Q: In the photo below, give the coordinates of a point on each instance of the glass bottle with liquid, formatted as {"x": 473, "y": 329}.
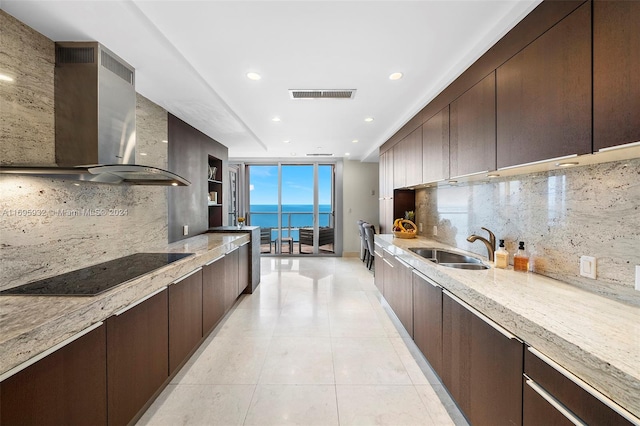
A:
{"x": 521, "y": 259}
{"x": 501, "y": 256}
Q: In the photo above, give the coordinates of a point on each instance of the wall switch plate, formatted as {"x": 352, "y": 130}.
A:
{"x": 185, "y": 230}
{"x": 420, "y": 227}
{"x": 588, "y": 267}
{"x": 435, "y": 230}
{"x": 638, "y": 277}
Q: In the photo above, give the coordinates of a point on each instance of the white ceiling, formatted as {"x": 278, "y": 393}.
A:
{"x": 191, "y": 57}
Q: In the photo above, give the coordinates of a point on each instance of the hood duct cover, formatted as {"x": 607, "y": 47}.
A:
{"x": 322, "y": 94}
{"x": 95, "y": 120}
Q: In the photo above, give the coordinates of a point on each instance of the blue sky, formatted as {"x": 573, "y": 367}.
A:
{"x": 297, "y": 184}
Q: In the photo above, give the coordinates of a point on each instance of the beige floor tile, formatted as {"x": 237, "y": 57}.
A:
{"x": 302, "y": 320}
{"x": 432, "y": 396}
{"x": 368, "y": 361}
{"x": 250, "y": 322}
{"x": 305, "y": 405}
{"x": 381, "y": 405}
{"x": 223, "y": 405}
{"x": 227, "y": 360}
{"x": 298, "y": 360}
{"x": 359, "y": 323}
{"x": 415, "y": 372}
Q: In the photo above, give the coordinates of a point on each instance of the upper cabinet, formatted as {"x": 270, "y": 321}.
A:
{"x": 435, "y": 147}
{"x": 407, "y": 160}
{"x": 473, "y": 129}
{"x": 544, "y": 95}
{"x": 616, "y": 75}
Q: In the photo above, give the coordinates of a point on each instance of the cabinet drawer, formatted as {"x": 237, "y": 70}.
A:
{"x": 582, "y": 402}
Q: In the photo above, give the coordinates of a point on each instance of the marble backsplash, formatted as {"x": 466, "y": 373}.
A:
{"x": 51, "y": 226}
{"x": 560, "y": 215}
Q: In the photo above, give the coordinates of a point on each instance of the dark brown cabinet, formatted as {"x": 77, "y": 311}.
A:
{"x": 616, "y": 79}
{"x": 473, "y": 129}
{"x": 427, "y": 319}
{"x": 544, "y": 95}
{"x": 231, "y": 261}
{"x": 243, "y": 268}
{"x": 185, "y": 318}
{"x": 385, "y": 172}
{"x": 398, "y": 289}
{"x": 482, "y": 365}
{"x": 67, "y": 387}
{"x": 137, "y": 356}
{"x": 378, "y": 278}
{"x": 213, "y": 294}
{"x": 551, "y": 397}
{"x": 407, "y": 160}
{"x": 435, "y": 147}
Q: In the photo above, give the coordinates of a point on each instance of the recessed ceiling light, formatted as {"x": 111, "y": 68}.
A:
{"x": 354, "y": 141}
{"x": 567, "y": 164}
{"x": 4, "y": 77}
{"x": 286, "y": 141}
{"x": 276, "y": 119}
{"x": 253, "y": 76}
{"x": 76, "y": 184}
{"x": 293, "y": 154}
{"x": 368, "y": 119}
{"x": 395, "y": 76}
{"x": 174, "y": 183}
{"x": 143, "y": 153}
{"x": 346, "y": 154}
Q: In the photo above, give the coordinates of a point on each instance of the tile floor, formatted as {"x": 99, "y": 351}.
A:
{"x": 313, "y": 345}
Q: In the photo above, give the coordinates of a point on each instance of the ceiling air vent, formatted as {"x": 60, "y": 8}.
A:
{"x": 319, "y": 155}
{"x": 322, "y": 94}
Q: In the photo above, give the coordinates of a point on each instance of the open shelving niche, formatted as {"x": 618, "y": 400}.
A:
{"x": 214, "y": 184}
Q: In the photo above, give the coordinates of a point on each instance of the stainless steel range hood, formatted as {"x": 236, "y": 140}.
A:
{"x": 95, "y": 121}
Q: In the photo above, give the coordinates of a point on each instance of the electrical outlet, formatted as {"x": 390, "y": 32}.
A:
{"x": 435, "y": 230}
{"x": 420, "y": 227}
{"x": 185, "y": 230}
{"x": 638, "y": 277}
{"x": 588, "y": 267}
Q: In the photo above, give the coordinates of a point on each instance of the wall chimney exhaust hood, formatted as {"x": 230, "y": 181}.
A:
{"x": 95, "y": 121}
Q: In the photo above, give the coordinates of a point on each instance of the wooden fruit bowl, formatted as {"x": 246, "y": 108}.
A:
{"x": 404, "y": 234}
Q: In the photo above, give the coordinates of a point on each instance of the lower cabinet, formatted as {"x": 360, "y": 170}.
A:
{"x": 67, "y": 387}
{"x": 398, "y": 289}
{"x": 378, "y": 277}
{"x": 213, "y": 290}
{"x": 553, "y": 397}
{"x": 137, "y": 356}
{"x": 427, "y": 319}
{"x": 185, "y": 318}
{"x": 231, "y": 261}
{"x": 482, "y": 365}
{"x": 243, "y": 267}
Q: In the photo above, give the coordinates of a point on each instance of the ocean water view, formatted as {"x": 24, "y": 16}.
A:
{"x": 294, "y": 216}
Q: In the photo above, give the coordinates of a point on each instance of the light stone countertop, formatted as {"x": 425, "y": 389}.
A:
{"x": 595, "y": 338}
{"x": 30, "y": 325}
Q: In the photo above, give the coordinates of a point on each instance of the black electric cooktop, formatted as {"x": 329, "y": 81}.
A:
{"x": 96, "y": 279}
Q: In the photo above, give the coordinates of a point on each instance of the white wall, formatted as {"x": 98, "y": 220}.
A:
{"x": 360, "y": 201}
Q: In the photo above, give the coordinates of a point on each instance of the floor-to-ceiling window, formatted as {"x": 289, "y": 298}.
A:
{"x": 296, "y": 203}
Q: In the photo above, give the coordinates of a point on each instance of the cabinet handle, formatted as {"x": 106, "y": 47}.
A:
{"x": 232, "y": 250}
{"x": 470, "y": 174}
{"x": 244, "y": 244}
{"x": 387, "y": 262}
{"x": 403, "y": 263}
{"x": 554, "y": 402}
{"x": 584, "y": 386}
{"x": 214, "y": 260}
{"x": 133, "y": 305}
{"x": 483, "y": 317}
{"x": 427, "y": 279}
{"x": 613, "y": 148}
{"x": 184, "y": 277}
{"x": 48, "y": 352}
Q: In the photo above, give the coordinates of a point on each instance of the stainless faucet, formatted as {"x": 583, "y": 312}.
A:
{"x": 491, "y": 243}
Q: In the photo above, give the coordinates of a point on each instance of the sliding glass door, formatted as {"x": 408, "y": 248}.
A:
{"x": 296, "y": 203}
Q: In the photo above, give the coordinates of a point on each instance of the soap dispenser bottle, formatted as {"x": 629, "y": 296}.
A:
{"x": 501, "y": 256}
{"x": 521, "y": 260}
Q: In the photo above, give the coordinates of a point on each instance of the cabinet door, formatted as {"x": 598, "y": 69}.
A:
{"x": 185, "y": 318}
{"x": 435, "y": 147}
{"x": 427, "y": 319}
{"x": 580, "y": 402}
{"x": 378, "y": 278}
{"x": 231, "y": 260}
{"x": 399, "y": 165}
{"x": 482, "y": 367}
{"x": 243, "y": 268}
{"x": 473, "y": 129}
{"x": 413, "y": 158}
{"x": 544, "y": 95}
{"x": 213, "y": 298}
{"x": 616, "y": 75}
{"x": 137, "y": 356}
{"x": 67, "y": 387}
{"x": 398, "y": 289}
{"x": 388, "y": 173}
{"x": 536, "y": 410}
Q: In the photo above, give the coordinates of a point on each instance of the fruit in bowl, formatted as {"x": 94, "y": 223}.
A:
{"x": 404, "y": 228}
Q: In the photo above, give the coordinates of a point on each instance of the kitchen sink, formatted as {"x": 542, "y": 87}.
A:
{"x": 449, "y": 259}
